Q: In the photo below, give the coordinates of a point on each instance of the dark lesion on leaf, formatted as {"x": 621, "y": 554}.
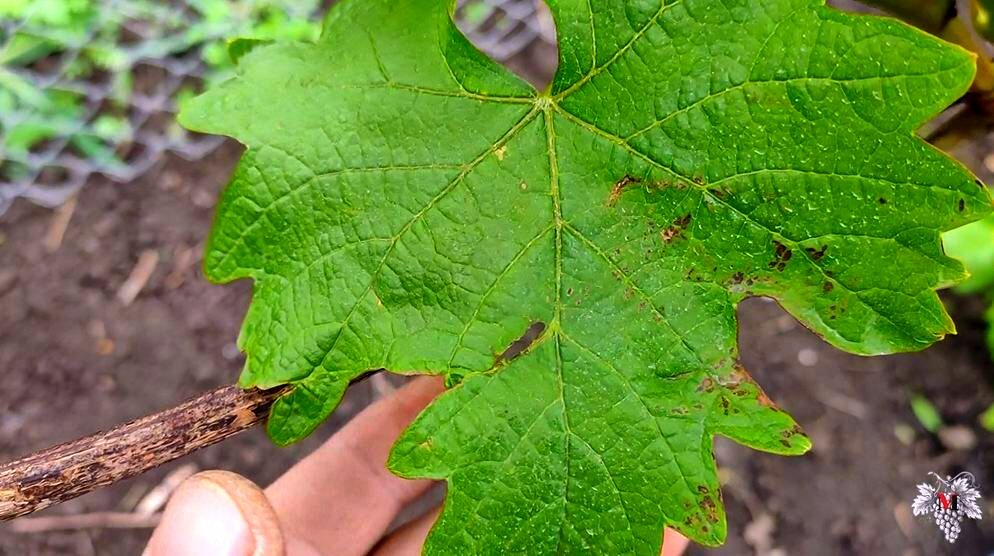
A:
{"x": 522, "y": 344}
{"x": 740, "y": 383}
{"x": 710, "y": 508}
{"x": 962, "y": 205}
{"x": 619, "y": 188}
{"x": 676, "y": 229}
{"x": 787, "y": 435}
{"x": 783, "y": 256}
{"x": 817, "y": 254}
{"x": 706, "y": 385}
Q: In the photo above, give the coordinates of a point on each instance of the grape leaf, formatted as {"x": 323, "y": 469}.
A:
{"x": 407, "y": 204}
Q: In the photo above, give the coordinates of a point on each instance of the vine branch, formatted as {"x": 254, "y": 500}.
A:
{"x": 75, "y": 468}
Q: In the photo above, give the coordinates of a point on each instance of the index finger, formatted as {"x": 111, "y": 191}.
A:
{"x": 341, "y": 498}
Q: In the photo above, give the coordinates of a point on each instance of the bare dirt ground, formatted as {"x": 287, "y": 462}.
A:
{"x": 75, "y": 359}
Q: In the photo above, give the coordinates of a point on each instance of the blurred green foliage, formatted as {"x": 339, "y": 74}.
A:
{"x": 986, "y": 419}
{"x": 926, "y": 413}
{"x": 68, "y": 42}
{"x": 974, "y": 245}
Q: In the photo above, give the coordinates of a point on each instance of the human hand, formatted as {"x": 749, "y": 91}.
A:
{"x": 338, "y": 500}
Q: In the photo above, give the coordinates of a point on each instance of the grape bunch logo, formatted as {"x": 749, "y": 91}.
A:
{"x": 948, "y": 502}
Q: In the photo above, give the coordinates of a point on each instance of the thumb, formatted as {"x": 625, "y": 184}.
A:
{"x": 217, "y": 513}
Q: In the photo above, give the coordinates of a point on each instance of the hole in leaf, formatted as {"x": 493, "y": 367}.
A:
{"x": 522, "y": 344}
{"x": 519, "y": 34}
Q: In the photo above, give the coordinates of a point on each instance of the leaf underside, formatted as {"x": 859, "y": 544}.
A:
{"x": 407, "y": 204}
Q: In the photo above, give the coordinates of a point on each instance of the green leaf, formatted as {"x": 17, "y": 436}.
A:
{"x": 407, "y": 204}
{"x": 242, "y": 46}
{"x": 926, "y": 413}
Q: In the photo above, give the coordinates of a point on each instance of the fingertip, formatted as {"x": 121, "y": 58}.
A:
{"x": 674, "y": 544}
{"x": 392, "y": 414}
{"x": 217, "y": 512}
{"x": 422, "y": 389}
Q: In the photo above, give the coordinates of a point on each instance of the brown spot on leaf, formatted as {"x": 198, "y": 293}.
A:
{"x": 740, "y": 383}
{"x": 828, "y": 286}
{"x": 706, "y": 385}
{"x": 703, "y": 489}
{"x": 676, "y": 229}
{"x": 710, "y": 509}
{"x": 962, "y": 205}
{"x": 882, "y": 201}
{"x": 619, "y": 188}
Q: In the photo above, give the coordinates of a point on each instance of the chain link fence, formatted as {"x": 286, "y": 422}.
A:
{"x": 91, "y": 87}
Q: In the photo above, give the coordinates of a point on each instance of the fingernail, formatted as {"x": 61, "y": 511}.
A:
{"x": 202, "y": 518}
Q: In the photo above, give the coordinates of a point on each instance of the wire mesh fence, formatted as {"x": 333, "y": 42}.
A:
{"x": 91, "y": 87}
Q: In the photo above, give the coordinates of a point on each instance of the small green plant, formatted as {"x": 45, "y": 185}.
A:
{"x": 926, "y": 413}
{"x": 571, "y": 259}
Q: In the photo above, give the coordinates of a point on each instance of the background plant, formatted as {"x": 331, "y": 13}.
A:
{"x": 91, "y": 86}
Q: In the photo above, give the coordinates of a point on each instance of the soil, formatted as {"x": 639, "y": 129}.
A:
{"x": 75, "y": 359}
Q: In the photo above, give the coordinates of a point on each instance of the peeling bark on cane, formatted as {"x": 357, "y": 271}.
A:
{"x": 75, "y": 468}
